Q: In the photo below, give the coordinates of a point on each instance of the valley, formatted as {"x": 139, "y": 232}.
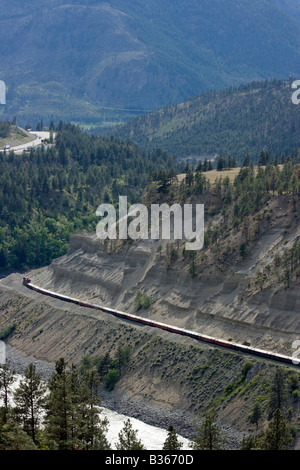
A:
{"x": 223, "y": 300}
{"x": 105, "y": 63}
{"x": 111, "y": 106}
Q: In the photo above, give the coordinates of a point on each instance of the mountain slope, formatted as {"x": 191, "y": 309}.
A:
{"x": 76, "y": 60}
{"x": 243, "y": 284}
{"x": 233, "y": 121}
{"x": 291, "y": 7}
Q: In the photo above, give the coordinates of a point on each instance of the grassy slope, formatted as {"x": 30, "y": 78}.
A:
{"x": 17, "y": 137}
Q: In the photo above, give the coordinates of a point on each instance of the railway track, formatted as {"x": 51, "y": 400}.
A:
{"x": 172, "y": 329}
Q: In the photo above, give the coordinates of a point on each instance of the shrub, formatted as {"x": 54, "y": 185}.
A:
{"x": 295, "y": 395}
{"x": 7, "y": 331}
{"x": 111, "y": 379}
{"x": 142, "y": 300}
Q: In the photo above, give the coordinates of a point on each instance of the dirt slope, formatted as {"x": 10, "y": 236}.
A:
{"x": 208, "y": 304}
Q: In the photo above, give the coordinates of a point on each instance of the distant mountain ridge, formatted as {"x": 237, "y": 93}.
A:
{"x": 77, "y": 60}
{"x": 235, "y": 121}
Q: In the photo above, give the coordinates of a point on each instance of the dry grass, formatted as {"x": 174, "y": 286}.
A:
{"x": 17, "y": 137}
{"x": 214, "y": 174}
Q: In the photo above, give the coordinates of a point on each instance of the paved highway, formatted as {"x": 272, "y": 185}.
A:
{"x": 34, "y": 143}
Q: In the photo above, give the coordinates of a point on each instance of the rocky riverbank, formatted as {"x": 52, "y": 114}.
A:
{"x": 125, "y": 405}
{"x": 185, "y": 425}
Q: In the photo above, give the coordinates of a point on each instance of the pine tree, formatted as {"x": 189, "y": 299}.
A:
{"x": 249, "y": 443}
{"x": 7, "y": 378}
{"x": 59, "y": 422}
{"x": 278, "y": 435}
{"x": 128, "y": 439}
{"x": 92, "y": 428}
{"x": 123, "y": 355}
{"x": 256, "y": 414}
{"x": 12, "y": 437}
{"x": 246, "y": 161}
{"x": 172, "y": 442}
{"x": 192, "y": 266}
{"x": 209, "y": 435}
{"x": 243, "y": 249}
{"x": 278, "y": 391}
{"x": 29, "y": 399}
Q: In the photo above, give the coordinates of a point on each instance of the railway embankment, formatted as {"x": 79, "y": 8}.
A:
{"x": 178, "y": 377}
{"x": 213, "y": 303}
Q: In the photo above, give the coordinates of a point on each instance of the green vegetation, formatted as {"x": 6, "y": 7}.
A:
{"x": 5, "y": 128}
{"x": 128, "y": 438}
{"x": 48, "y": 195}
{"x": 4, "y": 334}
{"x": 200, "y": 374}
{"x": 12, "y": 135}
{"x": 223, "y": 123}
{"x": 210, "y": 436}
{"x": 142, "y": 300}
{"x": 61, "y": 414}
{"x": 238, "y": 212}
{"x": 172, "y": 442}
{"x": 164, "y": 52}
{"x": 109, "y": 369}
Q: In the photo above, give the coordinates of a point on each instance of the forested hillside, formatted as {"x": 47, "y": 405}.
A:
{"x": 47, "y": 195}
{"x": 231, "y": 122}
{"x": 108, "y": 61}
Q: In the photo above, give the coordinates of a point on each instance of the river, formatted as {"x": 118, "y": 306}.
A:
{"x": 152, "y": 437}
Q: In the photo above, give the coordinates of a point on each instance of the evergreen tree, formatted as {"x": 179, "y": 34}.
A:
{"x": 246, "y": 161}
{"x": 243, "y": 250}
{"x": 209, "y": 435}
{"x": 189, "y": 179}
{"x": 163, "y": 182}
{"x": 220, "y": 164}
{"x": 256, "y": 414}
{"x": 192, "y": 267}
{"x": 7, "y": 378}
{"x": 249, "y": 443}
{"x": 29, "y": 399}
{"x": 111, "y": 379}
{"x": 128, "y": 439}
{"x": 12, "y": 437}
{"x": 92, "y": 428}
{"x": 59, "y": 421}
{"x": 278, "y": 391}
{"x": 123, "y": 355}
{"x": 172, "y": 442}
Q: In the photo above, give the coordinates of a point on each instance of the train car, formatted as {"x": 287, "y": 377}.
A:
{"x": 85, "y": 304}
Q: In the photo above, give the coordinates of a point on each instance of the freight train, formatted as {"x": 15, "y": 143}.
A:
{"x": 172, "y": 329}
